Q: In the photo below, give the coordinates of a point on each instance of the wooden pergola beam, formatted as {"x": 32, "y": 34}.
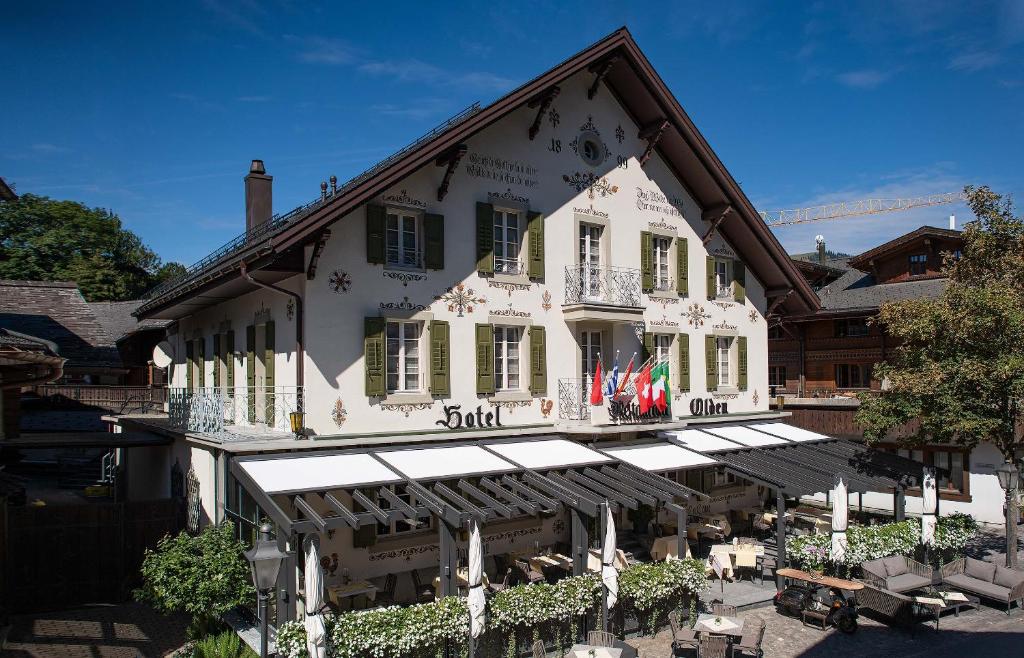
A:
{"x": 542, "y": 102}
{"x": 310, "y": 513}
{"x": 343, "y": 512}
{"x": 525, "y": 505}
{"x": 371, "y": 506}
{"x": 490, "y": 501}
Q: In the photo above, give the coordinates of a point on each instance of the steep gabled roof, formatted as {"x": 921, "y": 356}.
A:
{"x": 6, "y": 193}
{"x": 117, "y": 320}
{"x": 642, "y": 93}
{"x": 863, "y": 261}
{"x": 857, "y": 291}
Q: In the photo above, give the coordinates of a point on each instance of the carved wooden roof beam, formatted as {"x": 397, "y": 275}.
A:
{"x": 652, "y": 132}
{"x": 601, "y": 69}
{"x": 542, "y": 102}
{"x": 318, "y": 249}
{"x": 714, "y": 215}
{"x": 451, "y": 159}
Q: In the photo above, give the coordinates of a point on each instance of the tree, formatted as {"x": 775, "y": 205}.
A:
{"x": 958, "y": 367}
{"x": 46, "y": 240}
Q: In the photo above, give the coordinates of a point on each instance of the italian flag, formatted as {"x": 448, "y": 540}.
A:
{"x": 660, "y": 387}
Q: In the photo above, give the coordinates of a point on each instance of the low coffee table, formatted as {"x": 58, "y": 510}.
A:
{"x": 955, "y": 604}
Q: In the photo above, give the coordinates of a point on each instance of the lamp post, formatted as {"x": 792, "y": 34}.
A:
{"x": 1009, "y": 479}
{"x": 265, "y": 560}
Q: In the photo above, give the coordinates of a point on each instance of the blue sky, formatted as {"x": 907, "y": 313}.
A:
{"x": 155, "y": 109}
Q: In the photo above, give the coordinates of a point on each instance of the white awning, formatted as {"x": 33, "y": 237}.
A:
{"x": 746, "y": 435}
{"x": 441, "y": 463}
{"x": 548, "y": 453}
{"x": 318, "y": 472}
{"x": 658, "y": 457}
{"x": 701, "y": 441}
{"x": 790, "y": 432}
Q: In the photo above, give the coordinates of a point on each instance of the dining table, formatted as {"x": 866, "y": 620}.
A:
{"x": 620, "y": 650}
{"x": 726, "y": 555}
{"x": 337, "y": 593}
{"x": 594, "y": 559}
{"x": 461, "y": 579}
{"x": 552, "y": 561}
{"x": 666, "y": 547}
{"x": 719, "y": 624}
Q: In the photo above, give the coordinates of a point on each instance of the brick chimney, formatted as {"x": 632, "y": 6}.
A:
{"x": 259, "y": 204}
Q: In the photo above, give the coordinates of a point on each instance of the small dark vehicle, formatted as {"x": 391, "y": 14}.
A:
{"x": 841, "y": 611}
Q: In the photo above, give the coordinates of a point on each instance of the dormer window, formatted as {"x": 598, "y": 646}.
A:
{"x": 918, "y": 264}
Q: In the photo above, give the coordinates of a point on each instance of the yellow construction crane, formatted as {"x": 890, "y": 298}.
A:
{"x": 843, "y": 209}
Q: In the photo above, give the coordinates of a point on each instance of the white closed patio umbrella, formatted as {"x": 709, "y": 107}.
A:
{"x": 316, "y": 633}
{"x": 929, "y": 507}
{"x": 609, "y": 575}
{"x": 840, "y": 514}
{"x": 476, "y": 578}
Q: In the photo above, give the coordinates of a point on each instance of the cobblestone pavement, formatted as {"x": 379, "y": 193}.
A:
{"x": 114, "y": 631}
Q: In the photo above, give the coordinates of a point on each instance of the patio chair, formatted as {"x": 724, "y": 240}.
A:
{"x": 600, "y": 639}
{"x": 682, "y": 637}
{"x": 750, "y": 642}
{"x": 538, "y": 649}
{"x": 527, "y": 572}
{"x": 746, "y": 562}
{"x": 766, "y": 563}
{"x": 712, "y": 646}
{"x": 386, "y": 596}
{"x": 504, "y": 584}
{"x": 723, "y": 610}
{"x": 424, "y": 594}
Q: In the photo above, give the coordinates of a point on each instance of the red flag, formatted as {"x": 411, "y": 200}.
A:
{"x": 643, "y": 389}
{"x": 625, "y": 377}
{"x": 596, "y": 395}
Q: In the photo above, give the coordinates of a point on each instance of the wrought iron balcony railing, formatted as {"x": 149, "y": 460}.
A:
{"x": 574, "y": 399}
{"x": 508, "y": 266}
{"x": 619, "y": 286}
{"x": 217, "y": 409}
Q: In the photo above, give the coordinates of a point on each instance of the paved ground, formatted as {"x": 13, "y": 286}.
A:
{"x": 110, "y": 631}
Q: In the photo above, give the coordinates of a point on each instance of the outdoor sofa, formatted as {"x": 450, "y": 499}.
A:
{"x": 896, "y": 573}
{"x": 897, "y": 607}
{"x": 986, "y": 580}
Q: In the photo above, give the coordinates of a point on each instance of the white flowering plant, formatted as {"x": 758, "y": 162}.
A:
{"x": 648, "y": 585}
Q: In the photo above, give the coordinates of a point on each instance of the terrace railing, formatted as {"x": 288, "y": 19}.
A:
{"x": 618, "y": 286}
{"x": 212, "y": 410}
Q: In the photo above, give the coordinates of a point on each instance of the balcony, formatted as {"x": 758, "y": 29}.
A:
{"x": 218, "y": 410}
{"x": 602, "y": 293}
{"x": 509, "y": 266}
{"x": 574, "y": 405}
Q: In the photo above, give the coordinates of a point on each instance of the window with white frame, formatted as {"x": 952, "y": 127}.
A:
{"x": 403, "y": 525}
{"x": 723, "y": 277}
{"x": 507, "y": 241}
{"x": 662, "y": 347}
{"x": 724, "y": 360}
{"x": 506, "y": 357}
{"x": 590, "y": 348}
{"x": 403, "y": 356}
{"x": 403, "y": 239}
{"x": 661, "y": 245}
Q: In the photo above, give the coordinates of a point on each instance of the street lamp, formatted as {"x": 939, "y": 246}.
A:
{"x": 1009, "y": 480}
{"x": 265, "y": 559}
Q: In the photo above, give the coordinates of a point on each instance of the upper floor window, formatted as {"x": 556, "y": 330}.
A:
{"x": 507, "y": 241}
{"x": 777, "y": 376}
{"x": 506, "y": 358}
{"x": 723, "y": 277}
{"x": 662, "y": 347}
{"x": 853, "y": 375}
{"x": 660, "y": 246}
{"x": 403, "y": 356}
{"x": 403, "y": 238}
{"x": 851, "y": 327}
{"x": 918, "y": 264}
{"x": 724, "y": 361}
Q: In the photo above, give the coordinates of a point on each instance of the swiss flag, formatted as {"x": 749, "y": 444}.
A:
{"x": 643, "y": 389}
{"x": 596, "y": 396}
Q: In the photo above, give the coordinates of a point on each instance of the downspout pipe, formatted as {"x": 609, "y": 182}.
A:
{"x": 300, "y": 356}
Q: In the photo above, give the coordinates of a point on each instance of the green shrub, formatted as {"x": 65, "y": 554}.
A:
{"x": 224, "y": 645}
{"x": 203, "y": 576}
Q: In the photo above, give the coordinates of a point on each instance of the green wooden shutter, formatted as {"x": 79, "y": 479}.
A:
{"x": 268, "y": 354}
{"x": 712, "y": 288}
{"x": 682, "y": 266}
{"x": 535, "y": 264}
{"x": 538, "y": 361}
{"x": 440, "y": 349}
{"x": 376, "y": 219}
{"x": 711, "y": 362}
{"x": 648, "y": 346}
{"x": 741, "y": 360}
{"x": 646, "y": 260}
{"x": 484, "y": 358}
{"x": 373, "y": 355}
{"x": 739, "y": 281}
{"x": 217, "y": 356}
{"x": 250, "y": 371}
{"x": 229, "y": 359}
{"x": 683, "y": 378}
{"x": 433, "y": 241}
{"x": 485, "y": 238}
{"x": 190, "y": 364}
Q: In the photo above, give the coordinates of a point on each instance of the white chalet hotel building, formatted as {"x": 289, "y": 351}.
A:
{"x": 461, "y": 291}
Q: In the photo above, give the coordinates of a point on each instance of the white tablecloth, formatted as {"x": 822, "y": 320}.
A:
{"x": 665, "y": 547}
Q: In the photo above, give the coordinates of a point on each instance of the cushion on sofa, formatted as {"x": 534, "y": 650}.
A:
{"x": 979, "y": 570}
{"x": 875, "y": 567}
{"x": 1007, "y": 577}
{"x": 906, "y": 582}
{"x": 965, "y": 583}
{"x": 895, "y": 565}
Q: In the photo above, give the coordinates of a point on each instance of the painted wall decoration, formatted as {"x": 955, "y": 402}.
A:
{"x": 663, "y": 322}
{"x": 402, "y": 198}
{"x": 406, "y": 407}
{"x": 512, "y": 404}
{"x": 589, "y": 145}
{"x": 339, "y": 414}
{"x": 502, "y": 170}
{"x": 404, "y": 305}
{"x": 620, "y": 134}
{"x": 329, "y": 563}
{"x": 665, "y": 301}
{"x": 508, "y": 286}
{"x": 663, "y": 225}
{"x": 655, "y": 201}
{"x": 261, "y": 316}
{"x": 724, "y": 251}
{"x": 725, "y": 305}
{"x": 755, "y": 397}
{"x": 753, "y": 315}
{"x": 553, "y": 117}
{"x": 412, "y": 551}
{"x": 594, "y": 185}
{"x": 289, "y": 308}
{"x": 455, "y": 418}
{"x": 725, "y": 326}
{"x": 545, "y": 407}
{"x": 404, "y": 276}
{"x": 460, "y": 299}
{"x": 546, "y": 301}
{"x": 695, "y": 315}
{"x": 592, "y": 211}
{"x": 508, "y": 196}
{"x": 511, "y": 312}
{"x": 340, "y": 281}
